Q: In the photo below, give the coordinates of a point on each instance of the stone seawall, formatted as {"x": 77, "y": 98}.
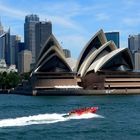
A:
{"x": 76, "y": 92}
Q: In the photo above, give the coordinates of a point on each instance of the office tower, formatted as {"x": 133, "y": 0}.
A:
{"x": 67, "y": 53}
{"x": 2, "y": 46}
{"x": 114, "y": 36}
{"x": 3, "y": 66}
{"x": 43, "y": 30}
{"x": 5, "y": 46}
{"x": 14, "y": 41}
{"x": 29, "y": 33}
{"x": 2, "y": 42}
{"x": 21, "y": 46}
{"x": 137, "y": 60}
{"x": 134, "y": 46}
{"x": 1, "y": 28}
{"x": 134, "y": 43}
{"x": 24, "y": 61}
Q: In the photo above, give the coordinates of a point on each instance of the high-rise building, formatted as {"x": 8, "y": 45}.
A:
{"x": 137, "y": 60}
{"x": 2, "y": 46}
{"x": 43, "y": 30}
{"x": 67, "y": 53}
{"x": 29, "y": 33}
{"x": 114, "y": 36}
{"x": 5, "y": 46}
{"x": 1, "y": 28}
{"x": 5, "y": 68}
{"x": 14, "y": 41}
{"x": 134, "y": 46}
{"x": 134, "y": 43}
{"x": 21, "y": 46}
{"x": 8, "y": 46}
{"x": 24, "y": 61}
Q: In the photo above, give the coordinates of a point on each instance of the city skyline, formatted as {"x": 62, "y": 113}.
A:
{"x": 74, "y": 22}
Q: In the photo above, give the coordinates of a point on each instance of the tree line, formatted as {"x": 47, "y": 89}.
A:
{"x": 12, "y": 79}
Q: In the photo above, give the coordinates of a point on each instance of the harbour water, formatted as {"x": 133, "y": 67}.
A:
{"x": 34, "y": 117}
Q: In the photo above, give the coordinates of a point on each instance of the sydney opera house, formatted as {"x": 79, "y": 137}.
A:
{"x": 101, "y": 65}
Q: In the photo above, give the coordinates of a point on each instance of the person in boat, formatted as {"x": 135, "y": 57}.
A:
{"x": 84, "y": 110}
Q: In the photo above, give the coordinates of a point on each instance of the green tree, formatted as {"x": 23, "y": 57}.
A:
{"x": 26, "y": 76}
{"x": 9, "y": 80}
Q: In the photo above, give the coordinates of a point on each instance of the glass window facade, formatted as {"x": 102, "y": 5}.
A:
{"x": 114, "y": 36}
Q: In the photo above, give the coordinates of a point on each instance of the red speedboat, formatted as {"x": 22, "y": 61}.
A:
{"x": 82, "y": 111}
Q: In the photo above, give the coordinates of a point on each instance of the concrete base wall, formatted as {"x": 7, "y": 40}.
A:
{"x": 54, "y": 82}
{"x": 76, "y": 92}
{"x": 93, "y": 81}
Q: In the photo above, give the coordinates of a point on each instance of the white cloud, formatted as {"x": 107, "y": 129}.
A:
{"x": 64, "y": 21}
{"x": 131, "y": 21}
{"x": 130, "y": 2}
{"x": 72, "y": 20}
{"x": 67, "y": 9}
{"x": 12, "y": 12}
{"x": 102, "y": 17}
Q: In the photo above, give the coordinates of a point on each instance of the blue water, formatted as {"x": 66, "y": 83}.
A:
{"x": 29, "y": 117}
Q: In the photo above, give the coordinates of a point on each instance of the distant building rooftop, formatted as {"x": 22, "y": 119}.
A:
{"x": 5, "y": 68}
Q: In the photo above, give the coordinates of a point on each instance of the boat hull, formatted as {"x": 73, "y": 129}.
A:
{"x": 82, "y": 111}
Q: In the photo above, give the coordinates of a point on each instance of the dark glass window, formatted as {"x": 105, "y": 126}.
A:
{"x": 55, "y": 64}
{"x": 49, "y": 54}
{"x": 119, "y": 62}
{"x": 114, "y": 36}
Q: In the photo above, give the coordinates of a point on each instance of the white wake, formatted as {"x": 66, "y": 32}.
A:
{"x": 43, "y": 119}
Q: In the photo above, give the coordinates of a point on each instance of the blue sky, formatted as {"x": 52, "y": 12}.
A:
{"x": 75, "y": 21}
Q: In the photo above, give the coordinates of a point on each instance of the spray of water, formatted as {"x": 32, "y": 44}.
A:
{"x": 43, "y": 119}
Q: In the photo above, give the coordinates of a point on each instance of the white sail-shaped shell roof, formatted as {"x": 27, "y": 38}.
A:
{"x": 51, "y": 41}
{"x": 103, "y": 50}
{"x": 100, "y": 63}
{"x": 51, "y": 51}
{"x": 98, "y": 54}
{"x": 93, "y": 44}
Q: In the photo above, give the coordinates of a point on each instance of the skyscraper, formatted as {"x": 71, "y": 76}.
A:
{"x": 21, "y": 46}
{"x": 2, "y": 46}
{"x": 29, "y": 33}
{"x": 14, "y": 40}
{"x": 134, "y": 46}
{"x": 24, "y": 61}
{"x": 134, "y": 43}
{"x": 43, "y": 30}
{"x": 1, "y": 29}
{"x": 5, "y": 46}
{"x": 114, "y": 36}
{"x": 67, "y": 53}
{"x": 137, "y": 60}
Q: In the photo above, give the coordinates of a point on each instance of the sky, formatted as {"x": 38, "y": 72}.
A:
{"x": 74, "y": 22}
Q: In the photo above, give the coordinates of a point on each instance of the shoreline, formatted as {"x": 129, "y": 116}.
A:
{"x": 76, "y": 92}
